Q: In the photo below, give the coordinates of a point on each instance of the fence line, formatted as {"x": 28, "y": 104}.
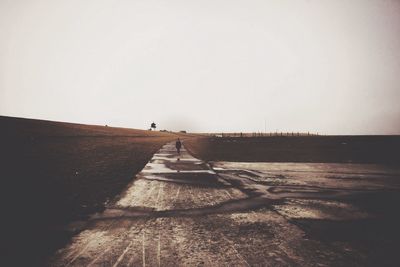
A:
{"x": 261, "y": 134}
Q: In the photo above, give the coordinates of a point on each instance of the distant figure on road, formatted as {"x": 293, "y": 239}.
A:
{"x": 178, "y": 145}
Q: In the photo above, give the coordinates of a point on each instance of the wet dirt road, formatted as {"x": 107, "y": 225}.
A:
{"x": 181, "y": 212}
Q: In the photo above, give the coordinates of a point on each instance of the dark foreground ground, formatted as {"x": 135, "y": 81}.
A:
{"x": 53, "y": 173}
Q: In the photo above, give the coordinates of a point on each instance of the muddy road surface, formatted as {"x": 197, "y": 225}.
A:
{"x": 180, "y": 211}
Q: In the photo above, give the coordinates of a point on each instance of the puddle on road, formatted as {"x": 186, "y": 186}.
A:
{"x": 181, "y": 163}
{"x": 186, "y": 166}
{"x": 173, "y": 156}
{"x": 160, "y": 168}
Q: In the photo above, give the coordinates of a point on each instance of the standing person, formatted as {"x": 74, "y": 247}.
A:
{"x": 178, "y": 145}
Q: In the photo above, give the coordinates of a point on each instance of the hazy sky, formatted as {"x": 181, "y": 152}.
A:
{"x": 331, "y": 67}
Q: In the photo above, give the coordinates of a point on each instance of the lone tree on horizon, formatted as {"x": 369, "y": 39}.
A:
{"x": 153, "y": 126}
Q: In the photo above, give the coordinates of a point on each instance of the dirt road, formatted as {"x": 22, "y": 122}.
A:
{"x": 181, "y": 212}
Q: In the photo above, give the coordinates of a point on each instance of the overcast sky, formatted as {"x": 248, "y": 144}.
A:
{"x": 331, "y": 67}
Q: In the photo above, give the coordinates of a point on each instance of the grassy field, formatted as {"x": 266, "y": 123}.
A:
{"x": 339, "y": 149}
{"x": 53, "y": 173}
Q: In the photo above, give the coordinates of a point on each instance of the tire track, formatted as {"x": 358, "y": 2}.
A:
{"x": 84, "y": 249}
{"x": 121, "y": 257}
